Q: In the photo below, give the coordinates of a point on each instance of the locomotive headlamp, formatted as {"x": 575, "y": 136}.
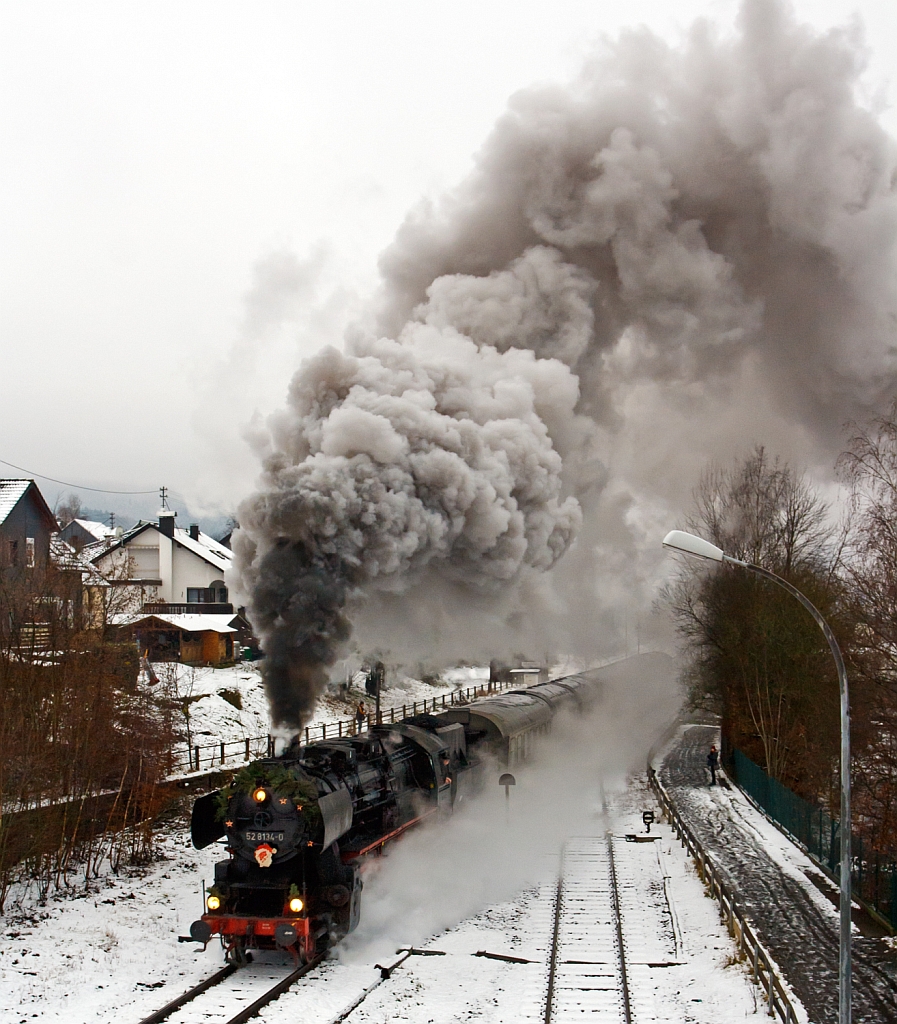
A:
{"x": 260, "y": 796}
{"x": 213, "y": 903}
{"x": 296, "y": 905}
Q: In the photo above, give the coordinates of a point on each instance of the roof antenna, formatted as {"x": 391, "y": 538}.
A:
{"x": 163, "y": 494}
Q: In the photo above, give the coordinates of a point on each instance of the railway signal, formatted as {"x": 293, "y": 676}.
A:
{"x": 507, "y": 780}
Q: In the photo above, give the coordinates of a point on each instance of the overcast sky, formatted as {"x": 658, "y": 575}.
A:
{"x": 194, "y": 196}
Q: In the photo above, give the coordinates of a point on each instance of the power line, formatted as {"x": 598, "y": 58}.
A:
{"x": 65, "y": 483}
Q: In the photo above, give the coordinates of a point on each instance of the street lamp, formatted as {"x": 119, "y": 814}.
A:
{"x": 687, "y": 543}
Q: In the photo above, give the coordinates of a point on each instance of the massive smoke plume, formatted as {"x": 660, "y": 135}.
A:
{"x": 687, "y": 250}
{"x": 424, "y": 454}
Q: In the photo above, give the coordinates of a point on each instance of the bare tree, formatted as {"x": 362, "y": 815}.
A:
{"x": 869, "y": 466}
{"x": 68, "y": 509}
{"x": 81, "y": 744}
{"x": 755, "y": 653}
{"x": 123, "y": 596}
{"x": 761, "y": 511}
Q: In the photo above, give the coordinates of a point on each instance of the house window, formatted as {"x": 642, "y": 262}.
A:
{"x": 218, "y": 591}
{"x": 29, "y": 552}
{"x": 197, "y": 595}
{"x": 12, "y": 552}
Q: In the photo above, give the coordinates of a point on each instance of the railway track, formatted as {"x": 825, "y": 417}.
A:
{"x": 212, "y": 1000}
{"x": 247, "y": 991}
{"x": 802, "y": 940}
{"x": 608, "y": 925}
{"x": 599, "y": 915}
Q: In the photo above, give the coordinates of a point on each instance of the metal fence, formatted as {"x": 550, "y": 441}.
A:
{"x": 206, "y": 756}
{"x": 873, "y": 874}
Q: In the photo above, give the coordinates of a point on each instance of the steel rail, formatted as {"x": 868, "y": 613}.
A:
{"x": 618, "y": 924}
{"x": 169, "y": 1008}
{"x": 275, "y": 991}
{"x": 553, "y": 1010}
{"x": 248, "y": 1012}
{"x": 386, "y": 972}
{"x": 556, "y": 930}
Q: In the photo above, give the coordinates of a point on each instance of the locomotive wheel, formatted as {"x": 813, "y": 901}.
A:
{"x": 307, "y": 949}
{"x": 336, "y": 895}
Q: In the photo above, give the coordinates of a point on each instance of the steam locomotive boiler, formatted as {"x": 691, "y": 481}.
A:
{"x": 298, "y": 827}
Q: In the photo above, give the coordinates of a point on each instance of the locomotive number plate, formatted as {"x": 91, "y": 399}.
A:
{"x": 264, "y": 837}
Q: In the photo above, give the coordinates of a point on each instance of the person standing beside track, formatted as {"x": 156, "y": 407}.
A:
{"x": 713, "y": 763}
{"x": 360, "y": 715}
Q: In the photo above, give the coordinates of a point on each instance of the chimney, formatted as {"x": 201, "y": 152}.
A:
{"x": 194, "y": 531}
{"x": 166, "y": 521}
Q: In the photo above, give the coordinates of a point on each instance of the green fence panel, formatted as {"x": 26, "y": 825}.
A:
{"x": 873, "y": 874}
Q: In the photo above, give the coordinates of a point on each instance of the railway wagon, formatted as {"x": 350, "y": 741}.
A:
{"x": 511, "y": 724}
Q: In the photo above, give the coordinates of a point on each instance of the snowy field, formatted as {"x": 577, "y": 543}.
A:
{"x": 228, "y": 705}
{"x": 480, "y": 881}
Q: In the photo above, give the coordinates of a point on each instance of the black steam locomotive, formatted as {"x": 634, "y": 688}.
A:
{"x": 299, "y": 826}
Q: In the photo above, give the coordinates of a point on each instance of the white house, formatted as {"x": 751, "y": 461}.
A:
{"x": 162, "y": 562}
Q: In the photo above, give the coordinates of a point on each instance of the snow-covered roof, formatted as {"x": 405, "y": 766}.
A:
{"x": 64, "y": 556}
{"x": 98, "y": 530}
{"x": 206, "y": 547}
{"x": 189, "y": 622}
{"x": 11, "y": 492}
{"x": 96, "y": 548}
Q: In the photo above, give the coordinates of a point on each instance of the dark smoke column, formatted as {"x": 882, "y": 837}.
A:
{"x": 297, "y": 607}
{"x": 419, "y": 462}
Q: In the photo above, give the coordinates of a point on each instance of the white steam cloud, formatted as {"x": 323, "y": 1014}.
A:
{"x": 482, "y": 855}
{"x": 687, "y": 251}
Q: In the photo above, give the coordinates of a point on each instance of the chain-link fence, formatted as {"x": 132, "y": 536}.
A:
{"x": 873, "y": 874}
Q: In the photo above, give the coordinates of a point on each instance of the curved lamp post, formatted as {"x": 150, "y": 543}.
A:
{"x": 687, "y": 543}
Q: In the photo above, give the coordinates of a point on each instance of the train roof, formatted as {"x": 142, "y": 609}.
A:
{"x": 432, "y": 744}
{"x": 503, "y": 714}
{"x": 591, "y": 682}
{"x": 555, "y": 693}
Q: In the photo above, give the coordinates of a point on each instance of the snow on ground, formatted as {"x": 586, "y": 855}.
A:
{"x": 86, "y": 953}
{"x": 406, "y": 690}
{"x": 707, "y": 986}
{"x": 792, "y": 905}
{"x": 705, "y": 803}
{"x": 111, "y": 953}
{"x": 215, "y": 705}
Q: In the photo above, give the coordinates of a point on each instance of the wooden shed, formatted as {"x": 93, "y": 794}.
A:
{"x": 189, "y": 638}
